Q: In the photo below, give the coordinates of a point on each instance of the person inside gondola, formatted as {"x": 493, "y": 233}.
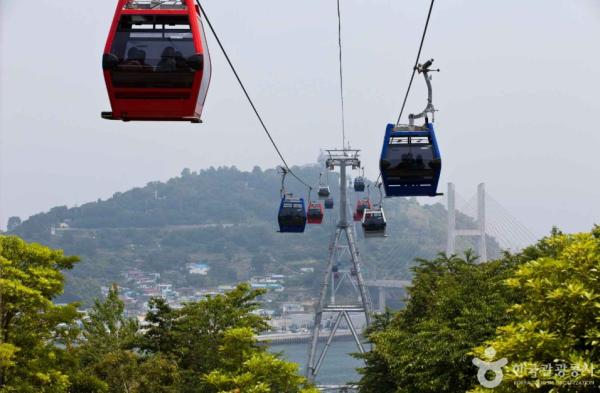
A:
{"x": 134, "y": 60}
{"x": 180, "y": 62}
{"x": 407, "y": 161}
{"x": 133, "y": 57}
{"x": 167, "y": 61}
{"x": 419, "y": 163}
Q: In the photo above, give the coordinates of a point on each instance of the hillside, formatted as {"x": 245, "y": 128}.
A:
{"x": 226, "y": 219}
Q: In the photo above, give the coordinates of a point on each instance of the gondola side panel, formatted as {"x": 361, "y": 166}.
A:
{"x": 107, "y": 50}
{"x": 204, "y": 76}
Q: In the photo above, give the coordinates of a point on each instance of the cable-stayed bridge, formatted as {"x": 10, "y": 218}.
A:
{"x": 489, "y": 219}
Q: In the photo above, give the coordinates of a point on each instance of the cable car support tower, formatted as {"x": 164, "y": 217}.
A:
{"x": 326, "y": 304}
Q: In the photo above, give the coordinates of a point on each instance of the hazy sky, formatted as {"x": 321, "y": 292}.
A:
{"x": 517, "y": 98}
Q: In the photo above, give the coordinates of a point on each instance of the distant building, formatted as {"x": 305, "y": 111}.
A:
{"x": 13, "y": 223}
{"x": 292, "y": 307}
{"x": 307, "y": 270}
{"x": 198, "y": 268}
{"x": 266, "y": 283}
{"x": 264, "y": 312}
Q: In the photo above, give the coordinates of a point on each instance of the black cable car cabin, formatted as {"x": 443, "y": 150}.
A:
{"x": 374, "y": 223}
{"x": 410, "y": 161}
{"x": 359, "y": 184}
{"x": 329, "y": 203}
{"x": 292, "y": 215}
{"x": 323, "y": 192}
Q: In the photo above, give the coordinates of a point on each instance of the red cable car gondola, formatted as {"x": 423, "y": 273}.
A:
{"x": 361, "y": 206}
{"x": 156, "y": 63}
{"x": 315, "y": 213}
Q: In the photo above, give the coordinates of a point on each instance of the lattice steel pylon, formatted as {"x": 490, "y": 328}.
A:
{"x": 343, "y": 159}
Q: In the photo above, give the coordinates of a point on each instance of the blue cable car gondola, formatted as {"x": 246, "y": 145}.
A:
{"x": 292, "y": 214}
{"x": 359, "y": 184}
{"x": 411, "y": 162}
{"x": 329, "y": 203}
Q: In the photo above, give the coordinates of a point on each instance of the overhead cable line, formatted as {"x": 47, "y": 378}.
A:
{"x": 412, "y": 77}
{"x": 262, "y": 123}
{"x": 339, "y": 15}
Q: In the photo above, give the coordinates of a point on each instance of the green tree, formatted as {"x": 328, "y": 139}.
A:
{"x": 104, "y": 360}
{"x": 106, "y": 329}
{"x": 376, "y": 374}
{"x": 453, "y": 305}
{"x": 159, "y": 374}
{"x": 556, "y": 322}
{"x": 214, "y": 346}
{"x": 247, "y": 367}
{"x": 31, "y": 326}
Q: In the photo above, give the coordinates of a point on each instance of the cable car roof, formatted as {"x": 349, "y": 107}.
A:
{"x": 155, "y": 5}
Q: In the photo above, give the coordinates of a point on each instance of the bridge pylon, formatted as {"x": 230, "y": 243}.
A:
{"x": 478, "y": 233}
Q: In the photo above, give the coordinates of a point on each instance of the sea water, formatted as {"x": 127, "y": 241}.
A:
{"x": 339, "y": 367}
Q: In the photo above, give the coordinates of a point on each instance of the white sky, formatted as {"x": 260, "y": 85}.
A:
{"x": 517, "y": 98}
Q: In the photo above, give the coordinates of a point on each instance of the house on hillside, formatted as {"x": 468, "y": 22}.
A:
{"x": 198, "y": 268}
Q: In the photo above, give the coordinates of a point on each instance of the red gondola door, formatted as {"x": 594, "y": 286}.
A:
{"x": 156, "y": 62}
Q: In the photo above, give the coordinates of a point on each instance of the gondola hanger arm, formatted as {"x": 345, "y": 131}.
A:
{"x": 425, "y": 70}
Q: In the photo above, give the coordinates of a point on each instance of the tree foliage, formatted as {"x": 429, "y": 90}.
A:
{"x": 539, "y": 309}
{"x": 213, "y": 344}
{"x": 31, "y": 326}
{"x": 204, "y": 347}
{"x": 552, "y": 342}
{"x": 454, "y": 304}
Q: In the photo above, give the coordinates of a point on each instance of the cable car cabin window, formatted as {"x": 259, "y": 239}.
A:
{"x": 410, "y": 157}
{"x": 292, "y": 213}
{"x": 153, "y": 52}
{"x": 314, "y": 211}
{"x": 374, "y": 218}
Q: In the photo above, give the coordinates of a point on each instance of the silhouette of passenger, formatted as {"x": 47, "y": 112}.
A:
{"x": 180, "y": 61}
{"x": 141, "y": 56}
{"x": 167, "y": 62}
{"x": 133, "y": 56}
{"x": 419, "y": 162}
{"x": 407, "y": 160}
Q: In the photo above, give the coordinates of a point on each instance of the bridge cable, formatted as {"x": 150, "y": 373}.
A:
{"x": 262, "y": 123}
{"x": 412, "y": 77}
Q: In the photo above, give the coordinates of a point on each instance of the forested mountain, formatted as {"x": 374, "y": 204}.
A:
{"x": 225, "y": 218}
